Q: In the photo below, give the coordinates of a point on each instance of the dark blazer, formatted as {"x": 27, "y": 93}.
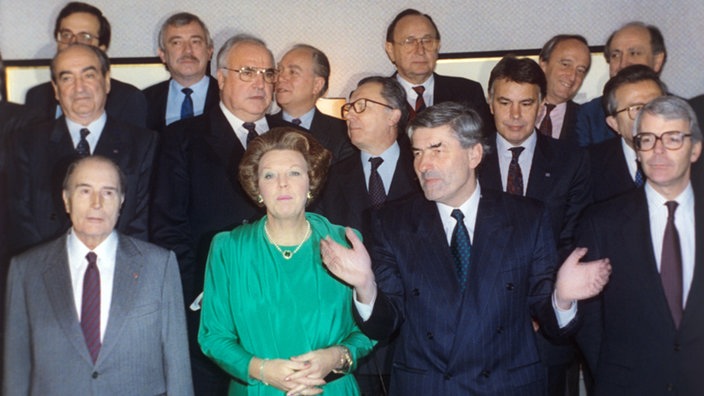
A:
{"x": 610, "y": 174}
{"x": 125, "y": 102}
{"x": 157, "y": 94}
{"x": 144, "y": 349}
{"x": 559, "y": 177}
{"x": 443, "y": 348}
{"x": 569, "y": 123}
{"x": 697, "y": 104}
{"x": 331, "y": 132}
{"x": 636, "y": 349}
{"x": 41, "y": 155}
{"x": 591, "y": 127}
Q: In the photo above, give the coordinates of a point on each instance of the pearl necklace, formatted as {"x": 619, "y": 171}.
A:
{"x": 285, "y": 252}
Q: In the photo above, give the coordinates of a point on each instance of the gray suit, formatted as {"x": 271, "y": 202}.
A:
{"x": 144, "y": 350}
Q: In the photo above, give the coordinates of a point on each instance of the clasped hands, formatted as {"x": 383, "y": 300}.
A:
{"x": 299, "y": 375}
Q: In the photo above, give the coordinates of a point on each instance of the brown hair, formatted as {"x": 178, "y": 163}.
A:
{"x": 284, "y": 138}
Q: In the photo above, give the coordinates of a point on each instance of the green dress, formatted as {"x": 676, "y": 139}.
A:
{"x": 256, "y": 303}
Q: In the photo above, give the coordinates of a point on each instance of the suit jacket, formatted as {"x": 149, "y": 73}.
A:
{"x": 41, "y": 155}
{"x": 591, "y": 127}
{"x": 144, "y": 349}
{"x": 480, "y": 341}
{"x": 559, "y": 177}
{"x": 610, "y": 174}
{"x": 569, "y": 123}
{"x": 157, "y": 94}
{"x": 697, "y": 104}
{"x": 125, "y": 102}
{"x": 331, "y": 132}
{"x": 629, "y": 337}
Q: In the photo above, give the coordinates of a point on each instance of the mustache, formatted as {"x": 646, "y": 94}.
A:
{"x": 188, "y": 57}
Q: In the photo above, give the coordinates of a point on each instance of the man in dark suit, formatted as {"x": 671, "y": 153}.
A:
{"x": 635, "y": 43}
{"x": 95, "y": 311}
{"x": 697, "y": 104}
{"x": 565, "y": 60}
{"x": 304, "y": 72}
{"x": 458, "y": 254}
{"x": 185, "y": 47}
{"x": 523, "y": 161}
{"x": 41, "y": 152}
{"x": 644, "y": 335}
{"x": 196, "y": 192}
{"x": 351, "y": 190}
{"x": 615, "y": 169}
{"x": 412, "y": 45}
{"x": 83, "y": 23}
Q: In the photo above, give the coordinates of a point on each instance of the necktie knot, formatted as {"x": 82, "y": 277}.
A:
{"x": 92, "y": 258}
{"x": 376, "y": 163}
{"x": 251, "y": 131}
{"x": 83, "y": 147}
{"x": 457, "y": 215}
{"x": 671, "y": 207}
{"x": 187, "y": 91}
{"x": 516, "y": 152}
{"x": 419, "y": 89}
{"x": 84, "y": 133}
{"x": 548, "y": 108}
{"x": 296, "y": 121}
{"x": 187, "y": 104}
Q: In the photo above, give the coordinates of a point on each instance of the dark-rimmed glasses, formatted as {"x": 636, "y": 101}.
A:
{"x": 632, "y": 110}
{"x": 359, "y": 106}
{"x": 65, "y": 36}
{"x": 429, "y": 43}
{"x": 671, "y": 140}
{"x": 247, "y": 74}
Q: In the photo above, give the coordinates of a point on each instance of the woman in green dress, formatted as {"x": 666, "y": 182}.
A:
{"x": 272, "y": 316}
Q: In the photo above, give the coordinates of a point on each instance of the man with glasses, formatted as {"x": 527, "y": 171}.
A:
{"x": 412, "y": 45}
{"x": 380, "y": 172}
{"x": 185, "y": 47}
{"x": 644, "y": 335}
{"x": 615, "y": 168}
{"x": 83, "y": 23}
{"x": 196, "y": 192}
{"x": 304, "y": 73}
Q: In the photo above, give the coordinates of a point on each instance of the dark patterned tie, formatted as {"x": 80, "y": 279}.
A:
{"x": 420, "y": 102}
{"x": 187, "y": 105}
{"x": 251, "y": 131}
{"x": 296, "y": 121}
{"x": 460, "y": 247}
{"x": 671, "y": 265}
{"x": 640, "y": 178}
{"x": 514, "y": 184}
{"x": 83, "y": 147}
{"x": 377, "y": 194}
{"x": 546, "y": 125}
{"x": 90, "y": 306}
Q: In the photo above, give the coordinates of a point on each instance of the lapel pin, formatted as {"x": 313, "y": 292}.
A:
{"x": 135, "y": 275}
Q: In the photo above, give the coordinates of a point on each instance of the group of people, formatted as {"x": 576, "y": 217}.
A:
{"x": 435, "y": 239}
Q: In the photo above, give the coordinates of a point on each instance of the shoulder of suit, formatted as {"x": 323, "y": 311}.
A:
{"x": 138, "y": 132}
{"x": 457, "y": 82}
{"x": 144, "y": 248}
{"x": 156, "y": 89}
{"x": 614, "y": 207}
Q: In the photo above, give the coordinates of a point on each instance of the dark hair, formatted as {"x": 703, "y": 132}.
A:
{"x": 99, "y": 158}
{"x": 671, "y": 107}
{"x": 100, "y": 54}
{"x": 657, "y": 41}
{"x": 550, "y": 45}
{"x": 401, "y": 15}
{"x": 321, "y": 64}
{"x": 183, "y": 19}
{"x": 465, "y": 122}
{"x": 284, "y": 138}
{"x": 520, "y": 70}
{"x": 393, "y": 93}
{"x": 77, "y": 6}
{"x": 628, "y": 75}
{"x": 233, "y": 41}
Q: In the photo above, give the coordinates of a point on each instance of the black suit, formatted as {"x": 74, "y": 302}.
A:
{"x": 157, "y": 94}
{"x": 41, "y": 155}
{"x": 569, "y": 123}
{"x": 196, "y": 195}
{"x": 125, "y": 102}
{"x": 697, "y": 104}
{"x": 331, "y": 132}
{"x": 628, "y": 333}
{"x": 610, "y": 174}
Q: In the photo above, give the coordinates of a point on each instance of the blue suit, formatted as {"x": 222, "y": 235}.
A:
{"x": 591, "y": 127}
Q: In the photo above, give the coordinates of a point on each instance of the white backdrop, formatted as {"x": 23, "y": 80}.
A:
{"x": 352, "y": 32}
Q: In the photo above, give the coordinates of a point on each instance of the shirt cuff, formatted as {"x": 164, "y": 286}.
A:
{"x": 564, "y": 316}
{"x": 364, "y": 310}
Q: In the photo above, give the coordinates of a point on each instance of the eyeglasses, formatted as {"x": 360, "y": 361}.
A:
{"x": 429, "y": 43}
{"x": 632, "y": 110}
{"x": 247, "y": 74}
{"x": 65, "y": 36}
{"x": 671, "y": 140}
{"x": 359, "y": 106}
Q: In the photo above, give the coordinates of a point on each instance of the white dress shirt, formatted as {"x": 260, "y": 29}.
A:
{"x": 412, "y": 95}
{"x": 386, "y": 169}
{"x": 261, "y": 125}
{"x": 96, "y": 130}
{"x": 525, "y": 160}
{"x": 631, "y": 160}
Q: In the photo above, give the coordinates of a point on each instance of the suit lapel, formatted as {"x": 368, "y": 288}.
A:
{"x": 404, "y": 179}
{"x": 541, "y": 173}
{"x": 111, "y": 143}
{"x": 695, "y": 300}
{"x": 222, "y": 140}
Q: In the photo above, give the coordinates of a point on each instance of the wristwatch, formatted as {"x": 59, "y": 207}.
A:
{"x": 345, "y": 361}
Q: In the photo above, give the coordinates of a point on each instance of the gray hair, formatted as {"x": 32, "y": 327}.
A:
{"x": 465, "y": 122}
{"x": 100, "y": 54}
{"x": 393, "y": 93}
{"x": 671, "y": 108}
{"x": 239, "y": 39}
{"x": 183, "y": 19}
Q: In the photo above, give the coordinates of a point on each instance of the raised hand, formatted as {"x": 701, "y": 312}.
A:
{"x": 579, "y": 281}
{"x": 353, "y": 266}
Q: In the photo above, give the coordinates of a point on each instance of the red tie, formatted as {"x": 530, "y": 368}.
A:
{"x": 546, "y": 125}
{"x": 90, "y": 306}
{"x": 420, "y": 103}
{"x": 514, "y": 184}
{"x": 671, "y": 265}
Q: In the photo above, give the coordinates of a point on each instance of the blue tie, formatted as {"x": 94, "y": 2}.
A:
{"x": 187, "y": 105}
{"x": 460, "y": 247}
{"x": 639, "y": 179}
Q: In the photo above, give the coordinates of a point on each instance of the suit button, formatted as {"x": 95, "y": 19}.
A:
{"x": 94, "y": 375}
{"x": 485, "y": 373}
{"x": 447, "y": 376}
{"x": 415, "y": 292}
{"x": 509, "y": 286}
{"x": 429, "y": 335}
